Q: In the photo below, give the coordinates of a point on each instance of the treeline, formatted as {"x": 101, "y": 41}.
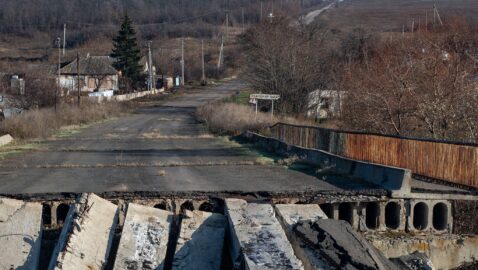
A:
{"x": 24, "y": 16}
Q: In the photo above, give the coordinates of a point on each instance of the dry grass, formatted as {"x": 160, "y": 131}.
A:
{"x": 42, "y": 123}
{"x": 233, "y": 118}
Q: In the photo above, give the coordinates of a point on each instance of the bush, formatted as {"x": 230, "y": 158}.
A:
{"x": 41, "y": 123}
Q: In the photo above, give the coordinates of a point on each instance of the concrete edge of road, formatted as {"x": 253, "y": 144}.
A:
{"x": 5, "y": 139}
{"x": 395, "y": 180}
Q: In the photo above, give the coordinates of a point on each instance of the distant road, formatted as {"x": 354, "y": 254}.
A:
{"x": 159, "y": 148}
{"x": 311, "y": 16}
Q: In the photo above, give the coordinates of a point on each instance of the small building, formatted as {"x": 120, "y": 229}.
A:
{"x": 323, "y": 104}
{"x": 12, "y": 83}
{"x": 97, "y": 75}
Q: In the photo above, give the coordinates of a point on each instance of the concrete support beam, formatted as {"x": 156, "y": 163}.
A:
{"x": 144, "y": 239}
{"x": 257, "y": 239}
{"x": 86, "y": 237}
{"x": 200, "y": 242}
{"x": 20, "y": 234}
{"x": 429, "y": 216}
{"x": 290, "y": 215}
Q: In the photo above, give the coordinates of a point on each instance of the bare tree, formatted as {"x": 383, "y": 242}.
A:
{"x": 285, "y": 58}
{"x": 423, "y": 85}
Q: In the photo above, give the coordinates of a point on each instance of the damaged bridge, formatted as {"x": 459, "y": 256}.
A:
{"x": 156, "y": 190}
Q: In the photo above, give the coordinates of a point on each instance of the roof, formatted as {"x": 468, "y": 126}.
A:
{"x": 91, "y": 65}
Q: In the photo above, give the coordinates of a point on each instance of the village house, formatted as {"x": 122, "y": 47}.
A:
{"x": 97, "y": 76}
{"x": 325, "y": 104}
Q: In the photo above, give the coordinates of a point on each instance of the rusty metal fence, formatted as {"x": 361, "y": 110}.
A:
{"x": 449, "y": 161}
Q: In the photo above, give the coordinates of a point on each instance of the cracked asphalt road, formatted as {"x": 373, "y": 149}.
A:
{"x": 159, "y": 148}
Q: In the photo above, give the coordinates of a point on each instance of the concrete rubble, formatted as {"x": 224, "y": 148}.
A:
{"x": 20, "y": 234}
{"x": 414, "y": 261}
{"x": 144, "y": 239}
{"x": 444, "y": 251}
{"x": 343, "y": 247}
{"x": 87, "y": 234}
{"x": 290, "y": 215}
{"x": 5, "y": 139}
{"x": 200, "y": 242}
{"x": 257, "y": 238}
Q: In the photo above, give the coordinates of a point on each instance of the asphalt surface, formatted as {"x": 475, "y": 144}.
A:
{"x": 161, "y": 147}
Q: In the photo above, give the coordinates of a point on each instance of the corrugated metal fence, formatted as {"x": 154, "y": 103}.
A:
{"x": 453, "y": 162}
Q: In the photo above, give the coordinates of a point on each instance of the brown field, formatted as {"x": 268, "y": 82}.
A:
{"x": 391, "y": 15}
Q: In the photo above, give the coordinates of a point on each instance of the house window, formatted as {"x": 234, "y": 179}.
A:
{"x": 324, "y": 103}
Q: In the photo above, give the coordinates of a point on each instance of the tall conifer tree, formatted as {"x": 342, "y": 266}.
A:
{"x": 127, "y": 53}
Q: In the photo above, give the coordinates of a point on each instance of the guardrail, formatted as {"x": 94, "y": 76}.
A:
{"x": 449, "y": 161}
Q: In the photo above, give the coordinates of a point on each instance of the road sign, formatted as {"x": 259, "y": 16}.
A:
{"x": 265, "y": 96}
{"x": 255, "y": 97}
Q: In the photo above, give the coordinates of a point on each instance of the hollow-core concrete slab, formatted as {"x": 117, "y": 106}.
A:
{"x": 200, "y": 242}
{"x": 144, "y": 239}
{"x": 257, "y": 238}
{"x": 20, "y": 234}
{"x": 86, "y": 237}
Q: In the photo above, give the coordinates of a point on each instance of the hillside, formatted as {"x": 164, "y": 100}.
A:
{"x": 391, "y": 15}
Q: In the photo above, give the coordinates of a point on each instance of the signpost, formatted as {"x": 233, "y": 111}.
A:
{"x": 255, "y": 97}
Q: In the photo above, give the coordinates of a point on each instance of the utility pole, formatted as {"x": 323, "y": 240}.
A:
{"x": 64, "y": 38}
{"x": 437, "y": 14}
{"x": 227, "y": 25}
{"x": 261, "y": 11}
{"x": 202, "y": 53}
{"x": 150, "y": 67}
{"x": 272, "y": 7}
{"x": 182, "y": 61}
{"x": 221, "y": 54}
{"x": 426, "y": 21}
{"x": 413, "y": 25}
{"x": 243, "y": 19}
{"x": 403, "y": 30}
{"x": 78, "y": 77}
{"x": 58, "y": 43}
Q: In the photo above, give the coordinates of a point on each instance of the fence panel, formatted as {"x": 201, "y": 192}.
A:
{"x": 457, "y": 163}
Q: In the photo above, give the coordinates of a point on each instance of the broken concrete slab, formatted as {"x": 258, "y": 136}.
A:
{"x": 290, "y": 215}
{"x": 5, "y": 139}
{"x": 20, "y": 234}
{"x": 200, "y": 242}
{"x": 446, "y": 251}
{"x": 257, "y": 239}
{"x": 86, "y": 237}
{"x": 144, "y": 239}
{"x": 414, "y": 261}
{"x": 343, "y": 247}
